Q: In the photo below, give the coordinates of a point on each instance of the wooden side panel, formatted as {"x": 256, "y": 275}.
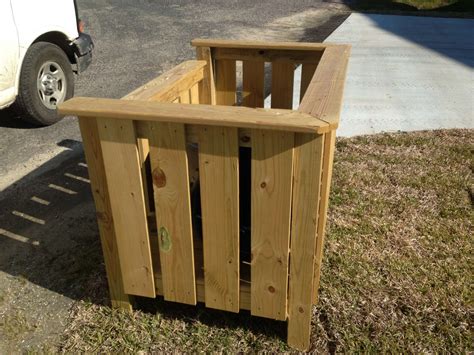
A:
{"x": 307, "y": 72}
{"x": 282, "y": 85}
{"x": 306, "y": 195}
{"x": 95, "y": 165}
{"x": 194, "y": 92}
{"x": 272, "y": 166}
{"x": 184, "y": 97}
{"x": 219, "y": 181}
{"x": 225, "y": 82}
{"x": 329, "y": 147}
{"x": 119, "y": 147}
{"x": 207, "y": 88}
{"x": 253, "y": 83}
{"x": 169, "y": 166}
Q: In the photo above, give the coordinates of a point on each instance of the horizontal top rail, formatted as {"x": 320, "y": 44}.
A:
{"x": 169, "y": 85}
{"x": 223, "y": 43}
{"x": 227, "y": 116}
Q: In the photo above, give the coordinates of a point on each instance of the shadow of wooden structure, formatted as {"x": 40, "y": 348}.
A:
{"x": 183, "y": 131}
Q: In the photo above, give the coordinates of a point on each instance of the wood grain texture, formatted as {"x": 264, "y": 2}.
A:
{"x": 329, "y": 148}
{"x": 223, "y": 43}
{"x": 307, "y": 72}
{"x": 323, "y": 98}
{"x": 194, "y": 93}
{"x": 219, "y": 181}
{"x": 282, "y": 85}
{"x": 120, "y": 153}
{"x": 306, "y": 195}
{"x": 267, "y": 55}
{"x": 207, "y": 87}
{"x": 169, "y": 166}
{"x": 225, "y": 82}
{"x": 272, "y": 167}
{"x": 225, "y": 116}
{"x": 98, "y": 181}
{"x": 253, "y": 83}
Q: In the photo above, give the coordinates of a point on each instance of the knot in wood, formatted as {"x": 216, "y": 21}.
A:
{"x": 159, "y": 178}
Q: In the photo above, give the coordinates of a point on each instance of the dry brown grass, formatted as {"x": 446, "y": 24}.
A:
{"x": 397, "y": 269}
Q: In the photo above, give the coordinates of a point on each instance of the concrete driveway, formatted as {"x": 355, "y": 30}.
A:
{"x": 407, "y": 73}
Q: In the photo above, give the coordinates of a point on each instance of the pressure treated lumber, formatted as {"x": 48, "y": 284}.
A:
{"x": 207, "y": 89}
{"x": 253, "y": 83}
{"x": 122, "y": 169}
{"x": 225, "y": 82}
{"x": 268, "y": 55}
{"x": 225, "y": 116}
{"x": 306, "y": 195}
{"x": 222, "y": 43}
{"x": 272, "y": 168}
{"x": 219, "y": 181}
{"x": 282, "y": 85}
{"x": 100, "y": 192}
{"x": 169, "y": 165}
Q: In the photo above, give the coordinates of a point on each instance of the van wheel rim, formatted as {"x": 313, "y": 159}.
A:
{"x": 51, "y": 85}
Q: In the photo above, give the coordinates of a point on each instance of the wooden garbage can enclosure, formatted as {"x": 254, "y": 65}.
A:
{"x": 204, "y": 195}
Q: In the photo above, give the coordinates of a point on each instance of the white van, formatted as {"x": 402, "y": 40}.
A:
{"x": 42, "y": 44}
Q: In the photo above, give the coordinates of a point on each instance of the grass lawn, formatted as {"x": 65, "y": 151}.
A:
{"x": 397, "y": 269}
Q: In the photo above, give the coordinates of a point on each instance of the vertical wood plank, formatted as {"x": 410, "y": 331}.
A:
{"x": 282, "y": 85}
{"x": 272, "y": 168}
{"x": 185, "y": 97}
{"x": 96, "y": 168}
{"x": 207, "y": 89}
{"x": 306, "y": 195}
{"x": 169, "y": 166}
{"x": 120, "y": 153}
{"x": 307, "y": 72}
{"x": 329, "y": 147}
{"x": 219, "y": 181}
{"x": 225, "y": 82}
{"x": 194, "y": 92}
{"x": 253, "y": 83}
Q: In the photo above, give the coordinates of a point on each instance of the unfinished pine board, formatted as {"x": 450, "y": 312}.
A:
{"x": 253, "y": 83}
{"x": 269, "y": 55}
{"x": 329, "y": 147}
{"x": 96, "y": 168}
{"x": 272, "y": 168}
{"x": 207, "y": 89}
{"x": 219, "y": 182}
{"x": 324, "y": 94}
{"x": 122, "y": 169}
{"x": 184, "y": 97}
{"x": 307, "y": 72}
{"x": 282, "y": 85}
{"x": 306, "y": 195}
{"x": 223, "y": 43}
{"x": 194, "y": 94}
{"x": 208, "y": 115}
{"x": 169, "y": 166}
{"x": 225, "y": 82}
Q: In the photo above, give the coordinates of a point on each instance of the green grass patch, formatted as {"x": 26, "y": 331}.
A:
{"x": 397, "y": 268}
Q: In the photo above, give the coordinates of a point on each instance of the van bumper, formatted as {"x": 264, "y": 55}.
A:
{"x": 83, "y": 47}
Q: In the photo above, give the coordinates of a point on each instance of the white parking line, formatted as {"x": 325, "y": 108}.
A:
{"x": 84, "y": 165}
{"x": 62, "y": 189}
{"x": 18, "y": 237}
{"x": 28, "y": 217}
{"x": 40, "y": 201}
{"x": 80, "y": 178}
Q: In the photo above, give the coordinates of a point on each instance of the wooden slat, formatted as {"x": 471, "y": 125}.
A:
{"x": 307, "y": 72}
{"x": 282, "y": 85}
{"x": 95, "y": 165}
{"x": 226, "y": 116}
{"x": 169, "y": 85}
{"x": 223, "y": 43}
{"x": 323, "y": 98}
{"x": 184, "y": 97}
{"x": 329, "y": 147}
{"x": 119, "y": 149}
{"x": 219, "y": 181}
{"x": 225, "y": 82}
{"x": 169, "y": 166}
{"x": 306, "y": 195}
{"x": 194, "y": 92}
{"x": 272, "y": 166}
{"x": 253, "y": 83}
{"x": 268, "y": 55}
{"x": 207, "y": 88}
